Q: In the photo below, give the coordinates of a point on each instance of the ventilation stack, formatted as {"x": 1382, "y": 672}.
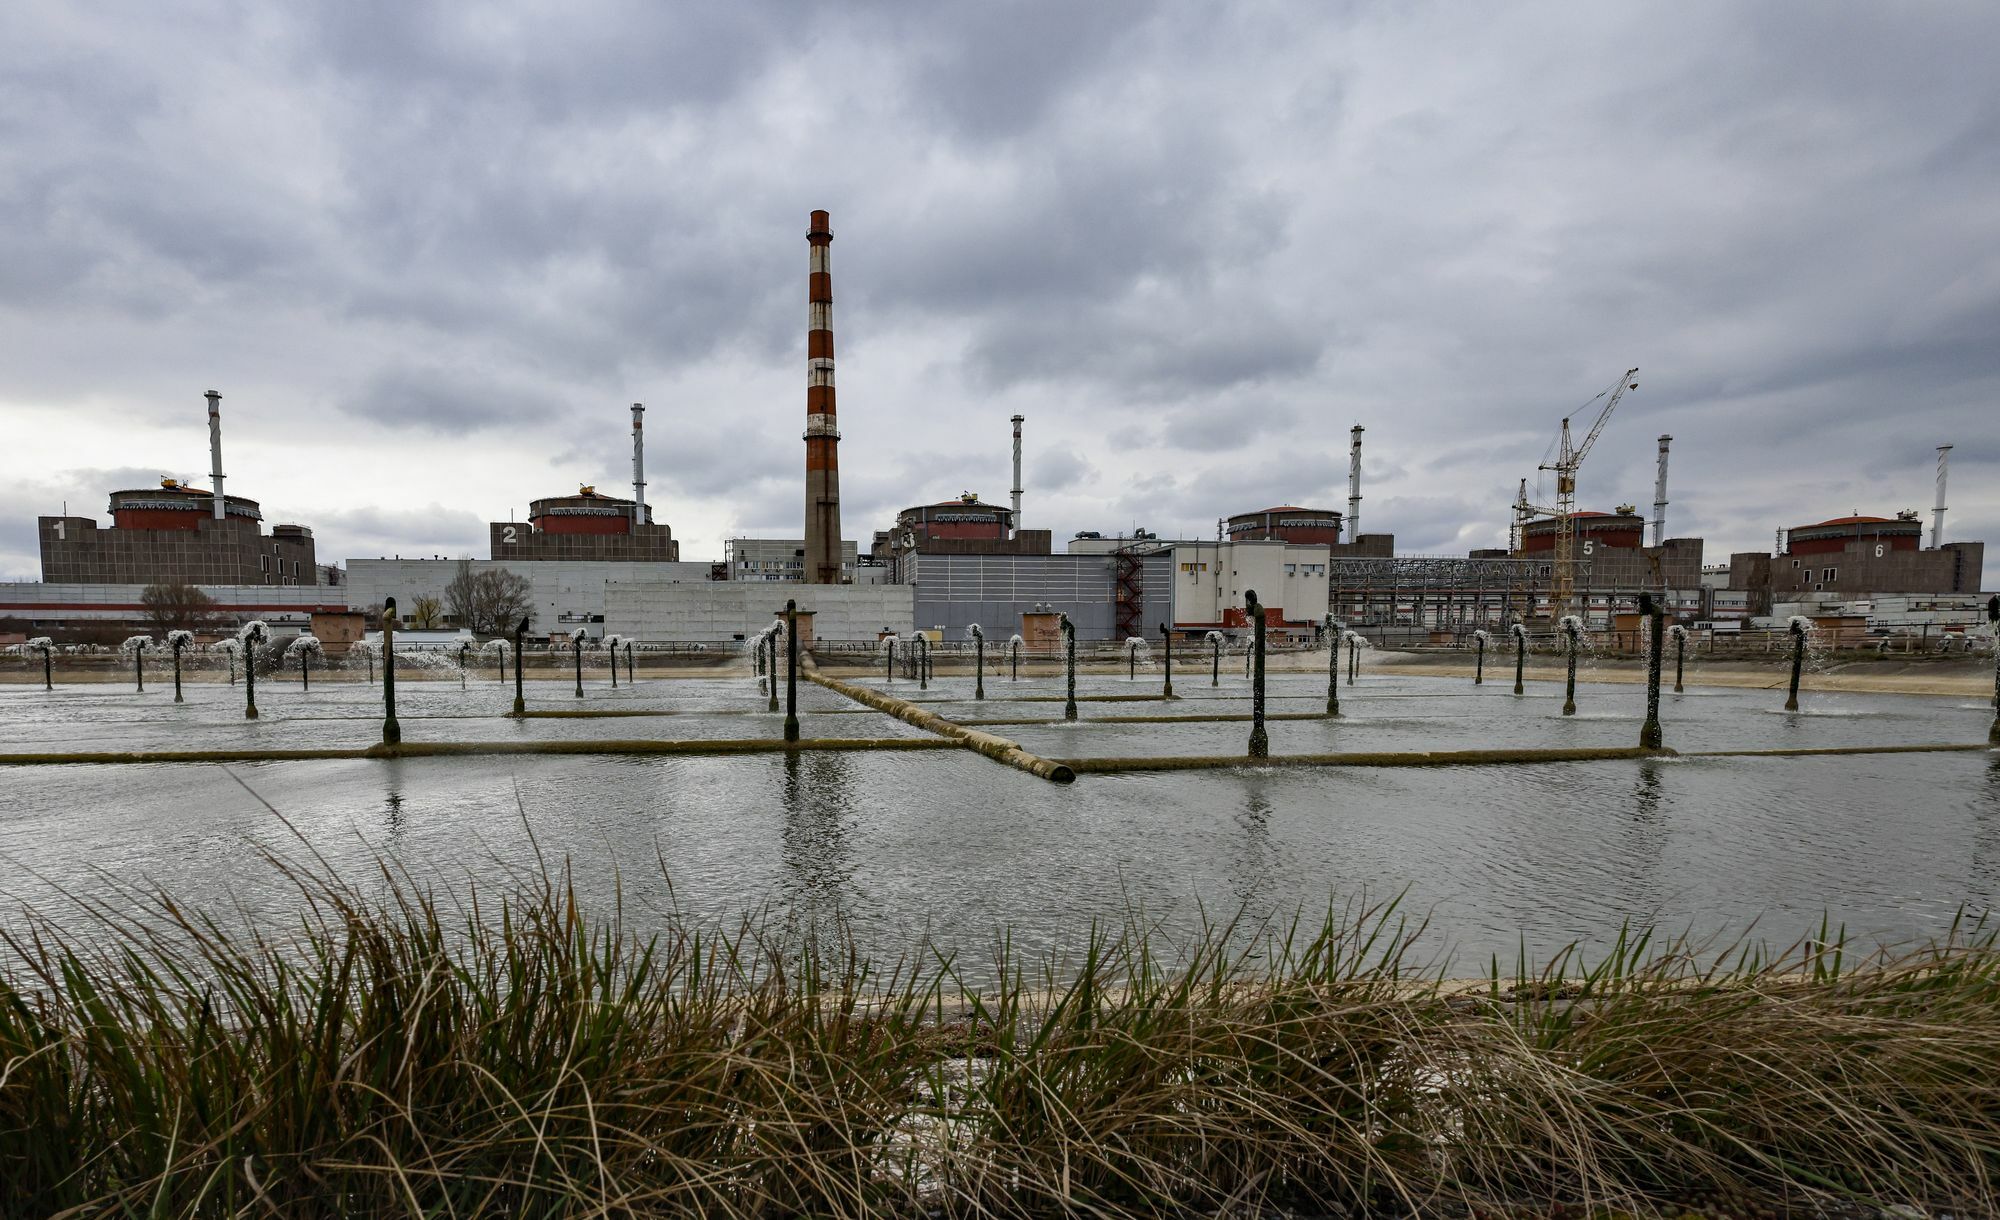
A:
{"x": 215, "y": 451}
{"x": 1354, "y": 487}
{"x": 640, "y": 513}
{"x": 822, "y": 558}
{"x": 1017, "y": 475}
{"x": 1937, "y": 513}
{"x": 1660, "y": 496}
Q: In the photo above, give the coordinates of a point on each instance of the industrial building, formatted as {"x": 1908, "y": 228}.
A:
{"x": 965, "y": 526}
{"x": 954, "y": 590}
{"x": 1211, "y": 581}
{"x": 1856, "y": 556}
{"x": 1288, "y": 523}
{"x": 783, "y": 560}
{"x": 178, "y": 534}
{"x": 590, "y": 526}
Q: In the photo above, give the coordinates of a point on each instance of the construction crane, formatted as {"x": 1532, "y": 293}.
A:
{"x": 1569, "y": 457}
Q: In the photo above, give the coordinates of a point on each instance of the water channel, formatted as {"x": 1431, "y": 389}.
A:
{"x": 949, "y": 848}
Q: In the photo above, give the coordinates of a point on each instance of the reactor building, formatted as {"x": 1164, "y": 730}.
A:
{"x": 179, "y": 534}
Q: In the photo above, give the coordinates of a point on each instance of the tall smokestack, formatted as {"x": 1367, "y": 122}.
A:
{"x": 639, "y": 511}
{"x": 1354, "y": 486}
{"x": 1660, "y": 495}
{"x": 215, "y": 450}
{"x": 1937, "y": 513}
{"x": 1017, "y": 475}
{"x": 822, "y": 558}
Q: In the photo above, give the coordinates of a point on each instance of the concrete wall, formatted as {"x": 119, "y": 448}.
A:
{"x": 686, "y": 613}
{"x": 49, "y": 606}
{"x": 563, "y": 594}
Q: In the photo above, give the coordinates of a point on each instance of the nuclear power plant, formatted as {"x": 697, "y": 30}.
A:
{"x": 606, "y": 564}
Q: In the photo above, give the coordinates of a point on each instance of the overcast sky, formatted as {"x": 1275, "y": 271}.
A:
{"x": 430, "y": 254}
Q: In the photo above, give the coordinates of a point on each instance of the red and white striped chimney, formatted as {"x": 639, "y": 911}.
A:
{"x": 822, "y": 558}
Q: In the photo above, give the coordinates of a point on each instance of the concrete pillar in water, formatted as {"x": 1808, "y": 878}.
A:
{"x": 48, "y": 668}
{"x": 1014, "y": 659}
{"x": 576, "y": 648}
{"x": 1479, "y": 666}
{"x": 1520, "y": 634}
{"x": 1353, "y": 659}
{"x": 613, "y": 649}
{"x": 1333, "y": 632}
{"x": 631, "y": 671}
{"x": 791, "y": 671}
{"x": 176, "y": 644}
{"x": 1649, "y": 733}
{"x": 1069, "y": 664}
{"x": 1798, "y": 630}
{"x": 1132, "y": 659}
{"x": 1167, "y": 644}
{"x": 139, "y": 665}
{"x": 520, "y": 703}
{"x": 889, "y": 666}
{"x": 464, "y": 659}
{"x": 1570, "y": 628}
{"x": 978, "y": 662}
{"x": 1680, "y": 635}
{"x": 305, "y": 670}
{"x": 923, "y": 661}
{"x": 1215, "y": 658}
{"x": 392, "y": 732}
{"x": 1260, "y": 741}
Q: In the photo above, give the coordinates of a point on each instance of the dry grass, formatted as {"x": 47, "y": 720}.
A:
{"x": 391, "y": 1056}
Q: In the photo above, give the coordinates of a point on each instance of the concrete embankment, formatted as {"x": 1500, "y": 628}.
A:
{"x": 1949, "y": 676}
{"x": 456, "y": 749}
{"x": 994, "y": 747}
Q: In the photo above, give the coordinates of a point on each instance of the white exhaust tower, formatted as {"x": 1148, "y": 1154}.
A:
{"x": 639, "y": 511}
{"x": 215, "y": 449}
{"x": 1354, "y": 486}
{"x": 1937, "y": 513}
{"x": 1660, "y": 496}
{"x": 1017, "y": 474}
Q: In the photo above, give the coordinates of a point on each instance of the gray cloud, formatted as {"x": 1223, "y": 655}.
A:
{"x": 1194, "y": 251}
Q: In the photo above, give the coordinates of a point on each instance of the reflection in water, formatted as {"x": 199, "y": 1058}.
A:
{"x": 1250, "y": 871}
{"x": 1985, "y": 871}
{"x": 819, "y": 862}
{"x": 1645, "y": 844}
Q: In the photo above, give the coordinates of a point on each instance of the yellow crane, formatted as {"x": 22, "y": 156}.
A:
{"x": 1569, "y": 456}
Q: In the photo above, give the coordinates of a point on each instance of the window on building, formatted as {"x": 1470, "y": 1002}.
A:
{"x": 1291, "y": 569}
{"x": 1830, "y": 574}
{"x": 1808, "y": 575}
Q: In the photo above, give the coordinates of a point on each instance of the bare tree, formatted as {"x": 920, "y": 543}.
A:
{"x": 426, "y": 614}
{"x": 177, "y": 606}
{"x": 461, "y": 596}
{"x": 489, "y": 602}
{"x": 504, "y": 600}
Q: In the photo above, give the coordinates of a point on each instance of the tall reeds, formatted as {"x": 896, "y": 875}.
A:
{"x": 391, "y": 1055}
